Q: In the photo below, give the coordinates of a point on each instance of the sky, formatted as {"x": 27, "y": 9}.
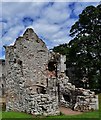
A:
{"x": 51, "y": 21}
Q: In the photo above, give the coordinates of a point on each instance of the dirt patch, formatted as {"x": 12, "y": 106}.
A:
{"x": 68, "y": 111}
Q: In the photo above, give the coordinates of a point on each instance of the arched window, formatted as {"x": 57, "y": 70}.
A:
{"x": 51, "y": 66}
{"x": 66, "y": 97}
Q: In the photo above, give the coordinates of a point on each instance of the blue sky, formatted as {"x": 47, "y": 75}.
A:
{"x": 50, "y": 20}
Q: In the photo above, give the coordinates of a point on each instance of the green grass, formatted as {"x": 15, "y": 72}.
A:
{"x": 15, "y": 115}
{"x": 93, "y": 114}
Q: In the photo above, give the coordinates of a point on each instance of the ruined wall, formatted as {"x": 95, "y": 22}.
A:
{"x": 26, "y": 63}
{"x": 2, "y": 77}
{"x": 78, "y": 99}
{"x": 69, "y": 96}
{"x": 36, "y": 82}
{"x": 62, "y": 63}
{"x": 0, "y": 68}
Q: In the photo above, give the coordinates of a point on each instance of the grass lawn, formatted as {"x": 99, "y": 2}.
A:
{"x": 93, "y": 114}
{"x": 15, "y": 115}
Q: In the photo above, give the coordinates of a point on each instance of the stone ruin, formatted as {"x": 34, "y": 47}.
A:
{"x": 36, "y": 82}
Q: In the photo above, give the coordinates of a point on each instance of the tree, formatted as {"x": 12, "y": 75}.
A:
{"x": 85, "y": 48}
{"x": 62, "y": 49}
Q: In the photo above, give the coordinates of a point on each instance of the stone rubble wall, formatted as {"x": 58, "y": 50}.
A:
{"x": 26, "y": 63}
{"x": 0, "y": 87}
{"x": 32, "y": 88}
{"x": 2, "y": 77}
{"x": 80, "y": 99}
{"x": 36, "y": 104}
{"x": 86, "y": 103}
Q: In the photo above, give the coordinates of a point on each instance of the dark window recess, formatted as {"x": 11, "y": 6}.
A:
{"x": 51, "y": 66}
{"x": 41, "y": 90}
{"x": 66, "y": 97}
{"x": 14, "y": 60}
{"x": 41, "y": 50}
{"x": 27, "y": 37}
{"x": 37, "y": 82}
{"x": 47, "y": 82}
{"x": 25, "y": 46}
{"x": 3, "y": 91}
{"x": 37, "y": 90}
{"x": 44, "y": 109}
{"x": 3, "y": 62}
{"x": 20, "y": 82}
{"x": 3, "y": 106}
{"x": 19, "y": 62}
{"x": 37, "y": 41}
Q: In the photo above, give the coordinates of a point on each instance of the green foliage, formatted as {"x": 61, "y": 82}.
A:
{"x": 84, "y": 50}
{"x": 62, "y": 49}
{"x": 86, "y": 45}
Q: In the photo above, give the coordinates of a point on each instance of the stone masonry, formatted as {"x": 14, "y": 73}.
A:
{"x": 36, "y": 82}
{"x": 2, "y": 77}
{"x": 26, "y": 76}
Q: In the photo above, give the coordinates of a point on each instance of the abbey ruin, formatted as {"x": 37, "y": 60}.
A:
{"x": 35, "y": 80}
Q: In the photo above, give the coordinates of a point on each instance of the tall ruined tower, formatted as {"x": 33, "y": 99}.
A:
{"x": 26, "y": 76}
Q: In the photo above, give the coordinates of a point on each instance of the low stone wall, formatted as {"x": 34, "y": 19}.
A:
{"x": 43, "y": 104}
{"x": 78, "y": 99}
{"x": 86, "y": 103}
{"x": 0, "y": 88}
{"x": 37, "y": 104}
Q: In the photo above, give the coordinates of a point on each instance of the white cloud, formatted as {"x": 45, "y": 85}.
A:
{"x": 0, "y": 29}
{"x": 12, "y": 34}
{"x": 51, "y": 1}
{"x": 51, "y": 22}
{"x": 20, "y": 10}
{"x": 45, "y": 29}
{"x": 57, "y": 13}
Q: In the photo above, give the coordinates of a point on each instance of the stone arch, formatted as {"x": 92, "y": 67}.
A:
{"x": 67, "y": 97}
